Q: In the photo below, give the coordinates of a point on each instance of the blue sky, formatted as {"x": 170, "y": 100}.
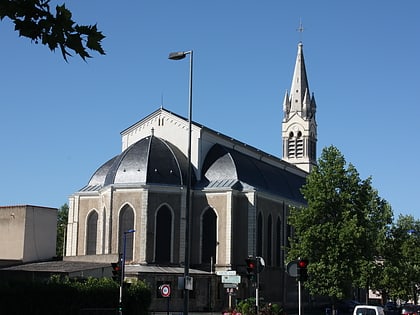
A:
{"x": 61, "y": 121}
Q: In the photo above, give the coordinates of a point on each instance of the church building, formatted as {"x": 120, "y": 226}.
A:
{"x": 240, "y": 199}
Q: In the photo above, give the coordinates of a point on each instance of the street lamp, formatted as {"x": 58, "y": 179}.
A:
{"x": 123, "y": 269}
{"x": 178, "y": 56}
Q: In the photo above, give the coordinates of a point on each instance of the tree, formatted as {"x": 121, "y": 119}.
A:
{"x": 33, "y": 19}
{"x": 62, "y": 218}
{"x": 401, "y": 265}
{"x": 342, "y": 229}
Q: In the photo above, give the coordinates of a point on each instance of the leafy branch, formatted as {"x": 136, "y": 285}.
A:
{"x": 33, "y": 19}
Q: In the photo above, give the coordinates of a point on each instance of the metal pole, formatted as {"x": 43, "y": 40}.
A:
{"x": 257, "y": 295}
{"x": 188, "y": 201}
{"x": 177, "y": 56}
{"x": 120, "y": 305}
{"x": 300, "y": 297}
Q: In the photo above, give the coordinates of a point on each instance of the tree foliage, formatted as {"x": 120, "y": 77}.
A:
{"x": 62, "y": 218}
{"x": 63, "y": 296}
{"x": 342, "y": 230}
{"x": 401, "y": 265}
{"x": 34, "y": 19}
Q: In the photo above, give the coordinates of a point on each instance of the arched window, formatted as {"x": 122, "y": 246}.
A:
{"x": 278, "y": 243}
{"x": 259, "y": 235}
{"x": 126, "y": 223}
{"x": 208, "y": 236}
{"x": 163, "y": 235}
{"x": 91, "y": 233}
{"x": 269, "y": 240}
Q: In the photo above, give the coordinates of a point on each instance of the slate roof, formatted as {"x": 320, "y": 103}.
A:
{"x": 150, "y": 160}
{"x": 153, "y": 160}
{"x": 225, "y": 167}
{"x": 57, "y": 266}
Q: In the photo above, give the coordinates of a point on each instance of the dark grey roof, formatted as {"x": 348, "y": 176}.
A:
{"x": 150, "y": 160}
{"x": 57, "y": 266}
{"x": 225, "y": 167}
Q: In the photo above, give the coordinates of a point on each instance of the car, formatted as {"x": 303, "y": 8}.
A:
{"x": 410, "y": 309}
{"x": 368, "y": 310}
{"x": 346, "y": 307}
{"x": 391, "y": 308}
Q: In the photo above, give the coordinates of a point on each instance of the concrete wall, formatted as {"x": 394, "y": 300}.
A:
{"x": 27, "y": 233}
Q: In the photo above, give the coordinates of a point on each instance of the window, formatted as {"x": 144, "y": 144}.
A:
{"x": 259, "y": 235}
{"x": 209, "y": 236}
{"x": 91, "y": 233}
{"x": 278, "y": 244}
{"x": 163, "y": 235}
{"x": 126, "y": 223}
{"x": 269, "y": 240}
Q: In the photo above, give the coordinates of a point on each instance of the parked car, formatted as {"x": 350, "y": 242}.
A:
{"x": 391, "y": 308}
{"x": 368, "y": 310}
{"x": 346, "y": 307}
{"x": 410, "y": 309}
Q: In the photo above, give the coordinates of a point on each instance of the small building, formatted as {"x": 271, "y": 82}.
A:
{"x": 27, "y": 234}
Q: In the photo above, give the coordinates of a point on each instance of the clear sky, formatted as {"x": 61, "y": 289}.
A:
{"x": 61, "y": 121}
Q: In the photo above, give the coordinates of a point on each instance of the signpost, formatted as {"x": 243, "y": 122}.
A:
{"x": 165, "y": 291}
{"x": 226, "y": 272}
{"x": 230, "y": 281}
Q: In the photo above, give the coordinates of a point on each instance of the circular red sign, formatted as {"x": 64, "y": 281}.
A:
{"x": 165, "y": 290}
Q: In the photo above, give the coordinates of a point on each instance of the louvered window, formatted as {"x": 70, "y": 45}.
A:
{"x": 295, "y": 145}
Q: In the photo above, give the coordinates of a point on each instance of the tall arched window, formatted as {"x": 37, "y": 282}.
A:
{"x": 269, "y": 240}
{"x": 91, "y": 233}
{"x": 126, "y": 224}
{"x": 209, "y": 236}
{"x": 163, "y": 235}
{"x": 259, "y": 235}
{"x": 278, "y": 243}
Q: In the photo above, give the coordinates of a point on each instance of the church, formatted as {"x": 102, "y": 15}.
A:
{"x": 240, "y": 198}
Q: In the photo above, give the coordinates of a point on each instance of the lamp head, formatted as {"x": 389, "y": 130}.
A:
{"x": 178, "y": 55}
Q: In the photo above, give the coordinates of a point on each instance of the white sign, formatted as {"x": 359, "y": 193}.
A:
{"x": 226, "y": 272}
{"x": 231, "y": 279}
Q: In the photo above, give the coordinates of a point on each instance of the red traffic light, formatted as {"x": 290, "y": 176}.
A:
{"x": 251, "y": 265}
{"x": 116, "y": 266}
{"x": 302, "y": 263}
{"x": 302, "y": 270}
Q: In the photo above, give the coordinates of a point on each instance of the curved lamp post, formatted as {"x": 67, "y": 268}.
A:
{"x": 178, "y": 56}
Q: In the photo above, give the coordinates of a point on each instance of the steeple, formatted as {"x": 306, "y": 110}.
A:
{"x": 299, "y": 129}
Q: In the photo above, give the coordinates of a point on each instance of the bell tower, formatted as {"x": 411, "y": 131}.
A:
{"x": 299, "y": 128}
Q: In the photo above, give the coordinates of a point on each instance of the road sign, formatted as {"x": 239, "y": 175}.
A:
{"x": 226, "y": 272}
{"x": 230, "y": 285}
{"x": 231, "y": 279}
{"x": 165, "y": 290}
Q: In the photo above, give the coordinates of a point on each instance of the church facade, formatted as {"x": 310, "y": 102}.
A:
{"x": 240, "y": 198}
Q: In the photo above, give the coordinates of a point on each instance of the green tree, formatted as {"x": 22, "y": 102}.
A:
{"x": 342, "y": 230}
{"x": 34, "y": 19}
{"x": 62, "y": 218}
{"x": 401, "y": 265}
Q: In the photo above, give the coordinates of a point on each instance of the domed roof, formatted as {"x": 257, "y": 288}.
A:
{"x": 150, "y": 160}
{"x": 226, "y": 167}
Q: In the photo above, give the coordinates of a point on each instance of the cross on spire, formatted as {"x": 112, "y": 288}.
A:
{"x": 300, "y": 29}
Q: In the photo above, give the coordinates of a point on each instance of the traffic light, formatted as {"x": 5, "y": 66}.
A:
{"x": 302, "y": 270}
{"x": 116, "y": 271}
{"x": 251, "y": 266}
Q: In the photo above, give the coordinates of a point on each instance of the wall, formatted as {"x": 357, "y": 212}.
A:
{"x": 27, "y": 233}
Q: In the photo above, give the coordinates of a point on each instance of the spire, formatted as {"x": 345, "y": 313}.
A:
{"x": 300, "y": 85}
{"x": 299, "y": 128}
